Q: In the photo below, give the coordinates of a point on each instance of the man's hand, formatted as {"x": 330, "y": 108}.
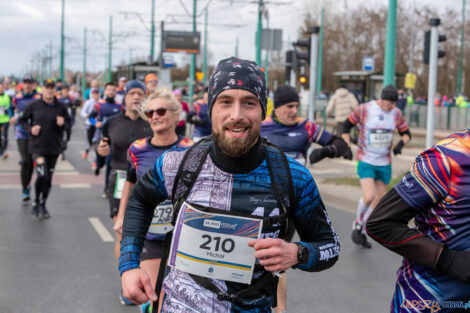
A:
{"x": 103, "y": 147}
{"x": 35, "y": 130}
{"x": 398, "y": 147}
{"x": 118, "y": 225}
{"x": 60, "y": 121}
{"x": 98, "y": 124}
{"x": 13, "y": 120}
{"x": 275, "y": 254}
{"x": 136, "y": 286}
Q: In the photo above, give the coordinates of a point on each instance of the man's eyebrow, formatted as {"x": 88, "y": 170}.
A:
{"x": 250, "y": 97}
{"x": 224, "y": 97}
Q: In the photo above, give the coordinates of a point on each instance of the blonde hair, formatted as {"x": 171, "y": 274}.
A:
{"x": 164, "y": 93}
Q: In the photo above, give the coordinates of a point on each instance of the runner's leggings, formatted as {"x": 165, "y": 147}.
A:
{"x": 3, "y": 137}
{"x": 44, "y": 166}
{"x": 26, "y": 162}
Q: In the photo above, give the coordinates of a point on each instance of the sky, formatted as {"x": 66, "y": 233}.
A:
{"x": 29, "y": 26}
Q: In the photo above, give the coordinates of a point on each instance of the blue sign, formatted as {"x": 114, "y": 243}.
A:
{"x": 368, "y": 63}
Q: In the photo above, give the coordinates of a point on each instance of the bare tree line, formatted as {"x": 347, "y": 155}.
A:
{"x": 353, "y": 33}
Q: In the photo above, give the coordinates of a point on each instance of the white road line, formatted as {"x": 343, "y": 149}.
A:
{"x": 325, "y": 171}
{"x": 345, "y": 162}
{"x": 10, "y": 186}
{"x": 73, "y": 186}
{"x": 100, "y": 229}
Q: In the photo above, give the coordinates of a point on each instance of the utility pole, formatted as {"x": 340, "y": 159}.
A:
{"x": 320, "y": 53}
{"x": 192, "y": 69}
{"x": 50, "y": 59}
{"x": 462, "y": 34}
{"x": 434, "y": 22}
{"x": 389, "y": 65}
{"x": 258, "y": 32}
{"x": 313, "y": 70}
{"x": 204, "y": 59}
{"x": 236, "y": 48}
{"x": 62, "y": 47}
{"x": 412, "y": 48}
{"x": 84, "y": 62}
{"x": 152, "y": 32}
{"x": 110, "y": 48}
{"x": 266, "y": 57}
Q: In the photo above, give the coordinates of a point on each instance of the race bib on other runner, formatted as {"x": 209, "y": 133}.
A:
{"x": 120, "y": 181}
{"x": 161, "y": 222}
{"x": 380, "y": 138}
{"x": 214, "y": 245}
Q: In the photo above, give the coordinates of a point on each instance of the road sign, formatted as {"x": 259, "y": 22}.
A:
{"x": 410, "y": 81}
{"x": 271, "y": 39}
{"x": 168, "y": 60}
{"x": 175, "y": 41}
{"x": 368, "y": 63}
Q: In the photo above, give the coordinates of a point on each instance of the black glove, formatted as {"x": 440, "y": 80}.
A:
{"x": 319, "y": 154}
{"x": 398, "y": 147}
{"x": 455, "y": 263}
{"x": 348, "y": 155}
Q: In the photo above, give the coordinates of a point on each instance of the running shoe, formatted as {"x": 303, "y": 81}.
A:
{"x": 356, "y": 235}
{"x": 124, "y": 300}
{"x": 25, "y": 196}
{"x": 85, "y": 155}
{"x": 35, "y": 210}
{"x": 43, "y": 213}
{"x": 104, "y": 195}
{"x": 364, "y": 243}
{"x": 5, "y": 156}
{"x": 146, "y": 307}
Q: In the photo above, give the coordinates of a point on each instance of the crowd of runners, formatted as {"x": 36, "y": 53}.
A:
{"x": 205, "y": 198}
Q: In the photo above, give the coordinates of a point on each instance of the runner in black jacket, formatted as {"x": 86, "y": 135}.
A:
{"x": 45, "y": 120}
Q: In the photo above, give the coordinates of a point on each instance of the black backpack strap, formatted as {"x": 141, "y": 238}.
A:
{"x": 281, "y": 179}
{"x": 188, "y": 170}
{"x": 161, "y": 269}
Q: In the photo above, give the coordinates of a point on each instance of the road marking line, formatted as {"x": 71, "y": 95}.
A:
{"x": 6, "y": 186}
{"x": 325, "y": 171}
{"x": 73, "y": 186}
{"x": 100, "y": 229}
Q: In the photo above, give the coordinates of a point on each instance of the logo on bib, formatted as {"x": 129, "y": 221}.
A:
{"x": 211, "y": 224}
{"x": 293, "y": 134}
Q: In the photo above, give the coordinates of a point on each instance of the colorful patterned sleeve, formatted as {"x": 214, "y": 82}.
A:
{"x": 428, "y": 180}
{"x": 400, "y": 121}
{"x": 317, "y": 134}
{"x": 355, "y": 116}
{"x": 131, "y": 165}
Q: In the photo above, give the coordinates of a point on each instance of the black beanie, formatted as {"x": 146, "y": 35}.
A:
{"x": 390, "y": 93}
{"x": 235, "y": 73}
{"x": 285, "y": 94}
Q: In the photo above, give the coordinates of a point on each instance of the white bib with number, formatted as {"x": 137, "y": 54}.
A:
{"x": 119, "y": 186}
{"x": 380, "y": 138}
{"x": 214, "y": 245}
{"x": 161, "y": 222}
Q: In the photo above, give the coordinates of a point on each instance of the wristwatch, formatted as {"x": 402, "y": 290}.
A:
{"x": 302, "y": 254}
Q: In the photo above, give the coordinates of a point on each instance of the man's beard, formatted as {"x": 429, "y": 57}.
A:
{"x": 236, "y": 147}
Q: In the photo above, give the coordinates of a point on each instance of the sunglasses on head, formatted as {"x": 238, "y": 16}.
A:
{"x": 160, "y": 112}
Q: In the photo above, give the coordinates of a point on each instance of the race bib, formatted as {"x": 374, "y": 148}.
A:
{"x": 119, "y": 186}
{"x": 380, "y": 138}
{"x": 214, "y": 245}
{"x": 161, "y": 222}
{"x": 3, "y": 110}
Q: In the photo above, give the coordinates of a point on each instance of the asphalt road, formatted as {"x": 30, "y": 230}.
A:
{"x": 64, "y": 265}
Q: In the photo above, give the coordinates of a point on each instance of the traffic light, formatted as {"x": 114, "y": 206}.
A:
{"x": 302, "y": 80}
{"x": 427, "y": 45}
{"x": 288, "y": 64}
{"x": 303, "y": 55}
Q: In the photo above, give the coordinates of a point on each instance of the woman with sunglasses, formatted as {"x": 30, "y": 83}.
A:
{"x": 162, "y": 111}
